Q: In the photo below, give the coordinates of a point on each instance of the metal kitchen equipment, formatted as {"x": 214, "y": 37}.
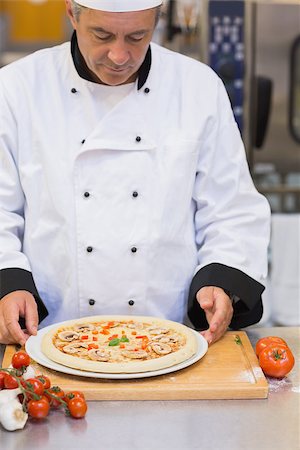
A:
{"x": 254, "y": 46}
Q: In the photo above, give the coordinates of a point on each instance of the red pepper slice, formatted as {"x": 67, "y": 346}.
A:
{"x": 109, "y": 325}
{"x": 90, "y": 346}
{"x": 104, "y": 331}
{"x": 114, "y": 336}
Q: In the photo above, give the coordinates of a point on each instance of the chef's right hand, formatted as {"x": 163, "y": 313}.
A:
{"x": 13, "y": 306}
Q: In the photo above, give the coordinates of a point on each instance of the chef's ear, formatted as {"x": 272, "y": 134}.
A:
{"x": 70, "y": 13}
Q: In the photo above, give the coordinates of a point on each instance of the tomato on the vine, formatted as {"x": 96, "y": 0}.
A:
{"x": 10, "y": 382}
{"x": 276, "y": 360}
{"x": 34, "y": 385}
{"x": 20, "y": 359}
{"x": 2, "y": 375}
{"x": 46, "y": 399}
{"x": 73, "y": 394}
{"x": 77, "y": 407}
{"x": 55, "y": 396}
{"x": 45, "y": 380}
{"x": 38, "y": 409}
{"x": 264, "y": 342}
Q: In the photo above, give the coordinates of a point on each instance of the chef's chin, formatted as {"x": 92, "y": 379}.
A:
{"x": 115, "y": 78}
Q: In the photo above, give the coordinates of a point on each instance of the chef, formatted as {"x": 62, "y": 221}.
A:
{"x": 124, "y": 185}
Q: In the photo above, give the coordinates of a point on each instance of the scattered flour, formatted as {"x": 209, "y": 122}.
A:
{"x": 279, "y": 384}
{"x": 296, "y": 389}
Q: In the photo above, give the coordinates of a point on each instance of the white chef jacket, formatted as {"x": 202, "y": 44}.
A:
{"x": 116, "y": 214}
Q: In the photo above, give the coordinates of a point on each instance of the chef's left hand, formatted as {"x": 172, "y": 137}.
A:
{"x": 218, "y": 310}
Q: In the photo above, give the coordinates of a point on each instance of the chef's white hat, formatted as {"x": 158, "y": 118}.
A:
{"x": 119, "y": 5}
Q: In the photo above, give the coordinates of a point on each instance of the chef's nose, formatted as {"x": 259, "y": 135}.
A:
{"x": 119, "y": 54}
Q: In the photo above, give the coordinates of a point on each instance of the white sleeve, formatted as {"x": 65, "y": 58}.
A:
{"x": 232, "y": 219}
{"x": 11, "y": 195}
{"x": 15, "y": 271}
{"x": 232, "y": 222}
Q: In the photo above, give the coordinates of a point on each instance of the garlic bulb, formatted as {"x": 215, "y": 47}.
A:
{"x": 7, "y": 395}
{"x": 12, "y": 416}
{"x": 29, "y": 373}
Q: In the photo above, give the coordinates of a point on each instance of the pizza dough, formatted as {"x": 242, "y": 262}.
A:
{"x": 119, "y": 344}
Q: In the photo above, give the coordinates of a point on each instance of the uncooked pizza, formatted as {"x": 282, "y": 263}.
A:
{"x": 119, "y": 344}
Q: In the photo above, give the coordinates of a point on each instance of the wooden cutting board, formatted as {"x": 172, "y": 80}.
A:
{"x": 229, "y": 370}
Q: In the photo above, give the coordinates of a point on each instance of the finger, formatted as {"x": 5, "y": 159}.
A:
{"x": 31, "y": 316}
{"x": 205, "y": 297}
{"x": 27, "y": 336}
{"x": 3, "y": 331}
{"x": 217, "y": 331}
{"x": 11, "y": 323}
{"x": 212, "y": 337}
{"x": 219, "y": 326}
{"x": 220, "y": 320}
{"x": 207, "y": 335}
{"x": 16, "y": 335}
{"x": 223, "y": 312}
{"x": 217, "y": 320}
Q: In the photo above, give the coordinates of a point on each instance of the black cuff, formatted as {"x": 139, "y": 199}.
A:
{"x": 16, "y": 279}
{"x": 247, "y": 311}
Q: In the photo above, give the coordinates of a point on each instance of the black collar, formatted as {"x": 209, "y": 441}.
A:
{"x": 84, "y": 72}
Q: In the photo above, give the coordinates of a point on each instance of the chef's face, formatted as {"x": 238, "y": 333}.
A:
{"x": 113, "y": 45}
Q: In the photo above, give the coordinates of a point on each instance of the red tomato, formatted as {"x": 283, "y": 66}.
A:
{"x": 45, "y": 380}
{"x": 77, "y": 407}
{"x": 277, "y": 360}
{"x": 39, "y": 409}
{"x": 55, "y": 396}
{"x": 20, "y": 359}
{"x": 73, "y": 394}
{"x": 266, "y": 341}
{"x": 2, "y": 375}
{"x": 35, "y": 385}
{"x": 10, "y": 382}
{"x": 46, "y": 399}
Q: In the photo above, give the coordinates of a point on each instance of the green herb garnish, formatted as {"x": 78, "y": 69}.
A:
{"x": 114, "y": 342}
{"x": 238, "y": 340}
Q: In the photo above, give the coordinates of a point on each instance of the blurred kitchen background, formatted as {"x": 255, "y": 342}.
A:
{"x": 254, "y": 46}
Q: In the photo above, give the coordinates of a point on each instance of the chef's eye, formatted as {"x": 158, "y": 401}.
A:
{"x": 103, "y": 37}
{"x": 136, "y": 37}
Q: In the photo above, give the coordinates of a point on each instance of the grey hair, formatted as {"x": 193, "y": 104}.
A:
{"x": 76, "y": 9}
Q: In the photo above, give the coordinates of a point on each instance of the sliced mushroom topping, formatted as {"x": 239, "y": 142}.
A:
{"x": 135, "y": 325}
{"x": 132, "y": 354}
{"x": 161, "y": 349}
{"x": 99, "y": 354}
{"x": 177, "y": 338}
{"x": 160, "y": 338}
{"x": 68, "y": 335}
{"x": 76, "y": 347}
{"x": 130, "y": 347}
{"x": 156, "y": 330}
{"x": 165, "y": 339}
{"x": 83, "y": 327}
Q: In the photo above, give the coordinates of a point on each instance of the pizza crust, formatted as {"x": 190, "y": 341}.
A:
{"x": 132, "y": 366}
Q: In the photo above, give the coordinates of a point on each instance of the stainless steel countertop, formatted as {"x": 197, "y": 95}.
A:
{"x": 272, "y": 423}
